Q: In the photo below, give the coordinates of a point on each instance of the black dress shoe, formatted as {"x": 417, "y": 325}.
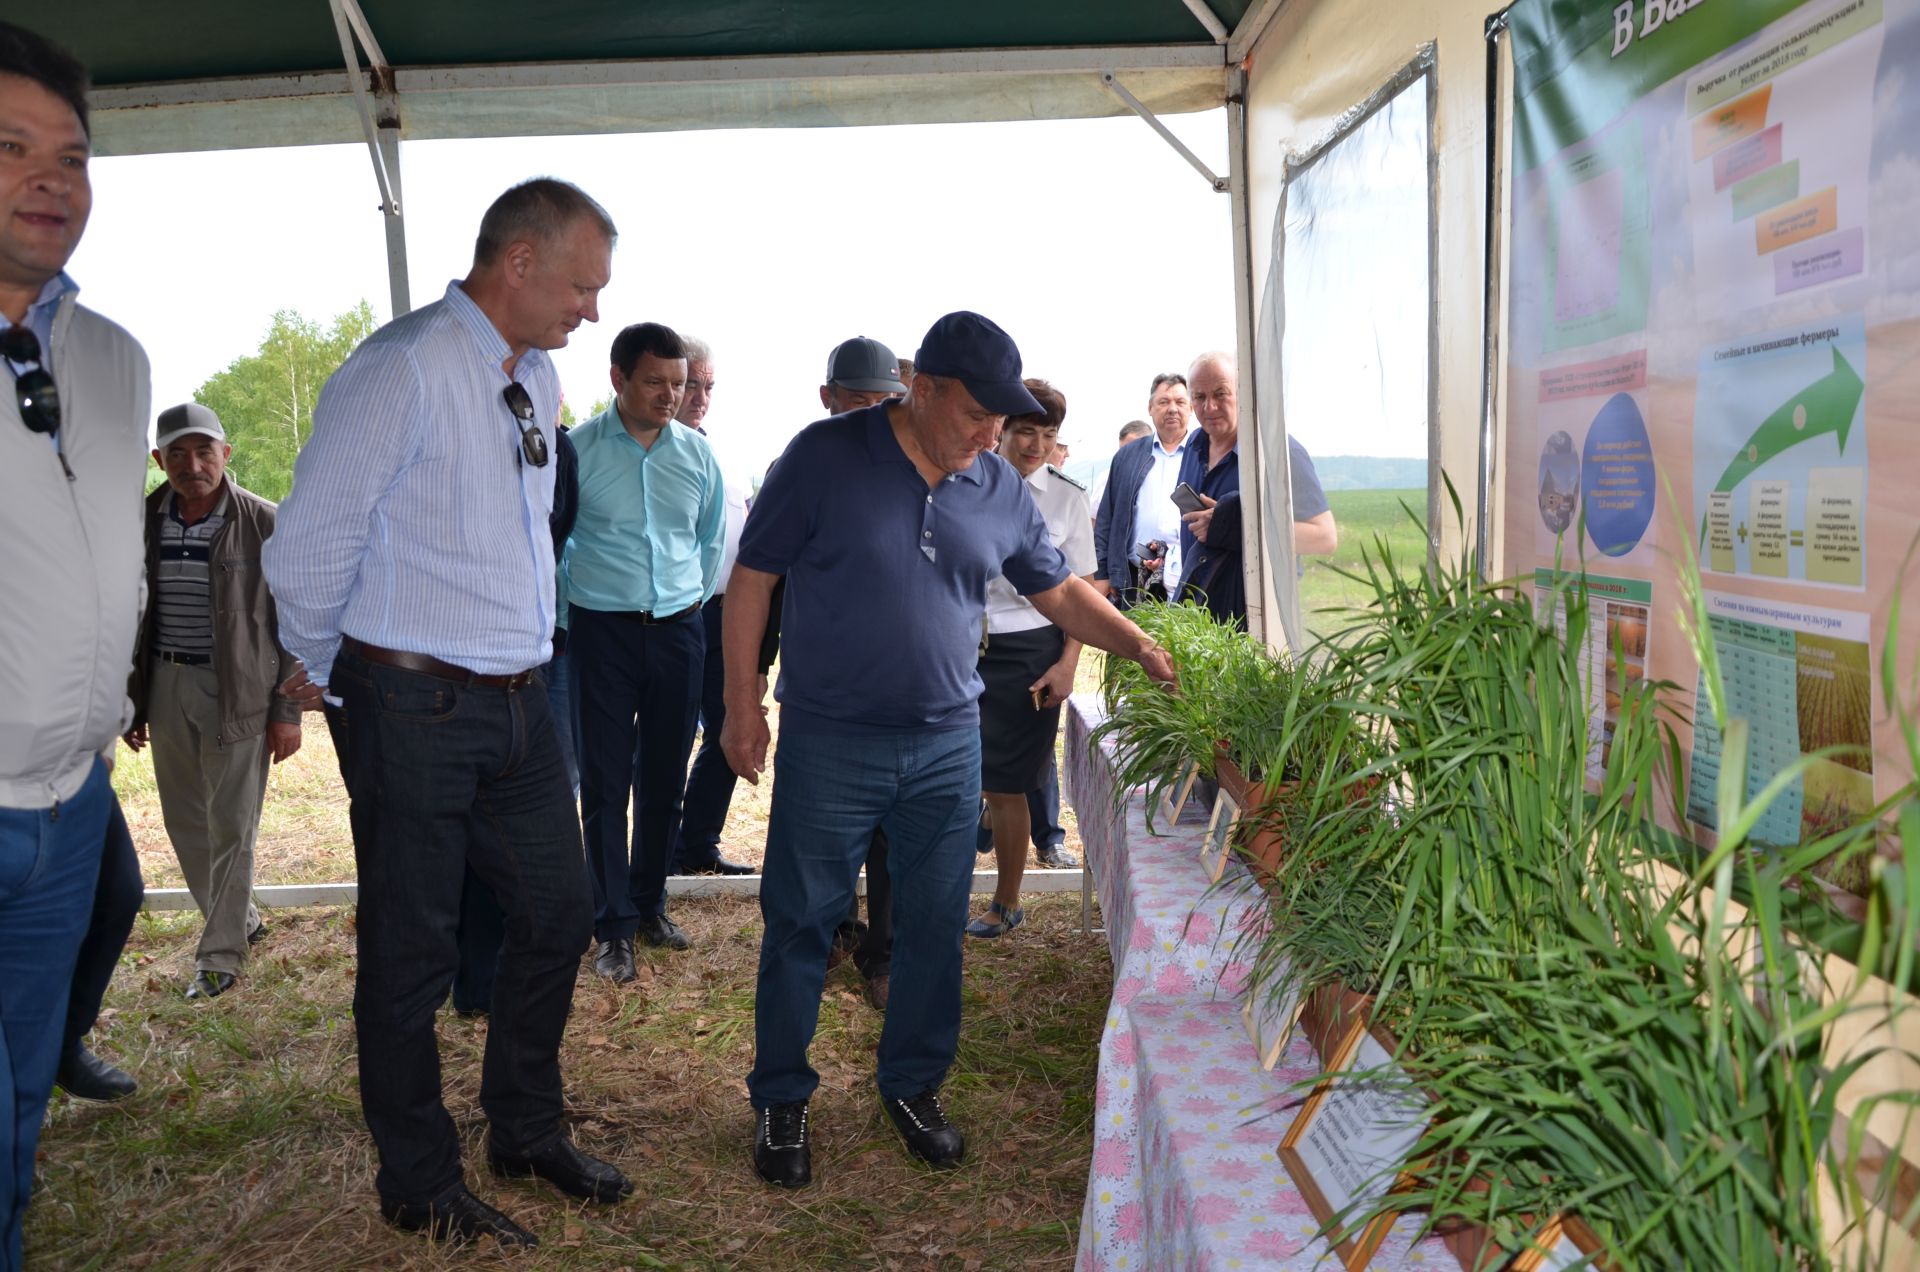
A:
{"x": 258, "y": 934}
{"x": 720, "y": 866}
{"x": 210, "y": 984}
{"x": 86, "y": 1076}
{"x": 459, "y": 1216}
{"x": 662, "y": 932}
{"x": 877, "y": 988}
{"x": 923, "y": 1124}
{"x": 781, "y": 1152}
{"x": 615, "y": 960}
{"x": 566, "y": 1168}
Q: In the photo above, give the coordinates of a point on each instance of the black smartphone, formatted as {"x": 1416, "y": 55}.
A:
{"x": 1187, "y": 499}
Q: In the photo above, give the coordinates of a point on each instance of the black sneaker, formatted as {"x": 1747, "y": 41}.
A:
{"x": 923, "y": 1124}
{"x": 781, "y": 1152}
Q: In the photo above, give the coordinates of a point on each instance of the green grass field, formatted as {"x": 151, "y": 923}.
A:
{"x": 1363, "y": 517}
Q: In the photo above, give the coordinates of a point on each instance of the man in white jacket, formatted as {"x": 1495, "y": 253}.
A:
{"x": 73, "y": 421}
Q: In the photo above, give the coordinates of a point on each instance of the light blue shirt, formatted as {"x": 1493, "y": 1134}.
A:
{"x": 40, "y": 322}
{"x": 414, "y": 523}
{"x": 652, "y": 523}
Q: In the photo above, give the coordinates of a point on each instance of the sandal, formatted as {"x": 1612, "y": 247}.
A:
{"x": 1009, "y": 920}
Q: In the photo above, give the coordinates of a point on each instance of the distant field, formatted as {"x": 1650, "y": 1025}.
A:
{"x": 1363, "y": 517}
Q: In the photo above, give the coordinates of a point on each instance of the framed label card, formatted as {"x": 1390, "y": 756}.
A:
{"x": 1353, "y": 1131}
{"x": 1564, "y": 1244}
{"x": 1270, "y": 1019}
{"x": 1213, "y": 851}
{"x": 1177, "y": 793}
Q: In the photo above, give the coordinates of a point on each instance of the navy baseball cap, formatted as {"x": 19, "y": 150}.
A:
{"x": 864, "y": 365}
{"x": 972, "y": 350}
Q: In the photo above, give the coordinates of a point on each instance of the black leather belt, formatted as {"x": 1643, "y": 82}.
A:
{"x": 648, "y": 618}
{"x": 185, "y": 660}
{"x": 428, "y": 665}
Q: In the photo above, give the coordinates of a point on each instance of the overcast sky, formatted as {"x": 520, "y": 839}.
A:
{"x": 1093, "y": 243}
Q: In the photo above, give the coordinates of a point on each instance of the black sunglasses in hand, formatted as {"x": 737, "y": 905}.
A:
{"x": 532, "y": 444}
{"x": 33, "y": 388}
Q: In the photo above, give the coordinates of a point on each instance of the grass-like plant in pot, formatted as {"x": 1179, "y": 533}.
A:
{"x": 1157, "y": 732}
{"x": 1598, "y": 1033}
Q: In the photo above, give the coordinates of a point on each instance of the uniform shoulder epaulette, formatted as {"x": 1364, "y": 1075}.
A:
{"x": 1077, "y": 485}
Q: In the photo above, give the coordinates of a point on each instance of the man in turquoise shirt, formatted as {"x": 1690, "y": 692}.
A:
{"x": 644, "y": 557}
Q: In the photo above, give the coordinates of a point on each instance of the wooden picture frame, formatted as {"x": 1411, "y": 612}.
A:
{"x": 1563, "y": 1243}
{"x": 1216, "y": 849}
{"x": 1176, "y": 800}
{"x": 1345, "y": 1126}
{"x": 1270, "y": 1024}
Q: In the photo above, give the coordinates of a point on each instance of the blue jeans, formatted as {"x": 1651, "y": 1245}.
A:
{"x": 444, "y": 778}
{"x": 710, "y": 784}
{"x": 49, "y": 860}
{"x": 829, "y": 795}
{"x": 1043, "y": 808}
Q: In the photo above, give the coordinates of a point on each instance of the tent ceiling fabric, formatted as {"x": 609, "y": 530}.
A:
{"x": 210, "y": 74}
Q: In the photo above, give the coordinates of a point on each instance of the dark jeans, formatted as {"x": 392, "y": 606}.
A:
{"x": 637, "y": 688}
{"x": 829, "y": 795}
{"x": 116, "y": 903}
{"x": 482, "y": 927}
{"x": 49, "y": 859}
{"x": 710, "y": 784}
{"x": 1043, "y": 807}
{"x": 444, "y": 777}
{"x": 566, "y": 721}
{"x": 872, "y": 941}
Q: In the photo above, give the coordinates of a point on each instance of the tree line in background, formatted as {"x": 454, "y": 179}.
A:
{"x": 265, "y": 399}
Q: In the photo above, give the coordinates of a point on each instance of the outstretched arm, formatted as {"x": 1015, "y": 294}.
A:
{"x": 1084, "y": 615}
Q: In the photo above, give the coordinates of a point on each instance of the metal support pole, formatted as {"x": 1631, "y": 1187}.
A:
{"x": 1139, "y": 108}
{"x": 389, "y": 202}
{"x": 397, "y": 288}
{"x": 1210, "y": 20}
{"x": 1252, "y": 541}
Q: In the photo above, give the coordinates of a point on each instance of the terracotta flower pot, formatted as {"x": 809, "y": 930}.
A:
{"x": 1328, "y": 1015}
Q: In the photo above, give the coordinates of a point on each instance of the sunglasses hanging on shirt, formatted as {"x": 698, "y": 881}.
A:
{"x": 532, "y": 444}
{"x": 33, "y": 388}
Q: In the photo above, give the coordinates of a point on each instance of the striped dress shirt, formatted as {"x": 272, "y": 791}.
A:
{"x": 414, "y": 522}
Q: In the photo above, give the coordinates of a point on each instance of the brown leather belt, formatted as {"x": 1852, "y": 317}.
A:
{"x": 428, "y": 665}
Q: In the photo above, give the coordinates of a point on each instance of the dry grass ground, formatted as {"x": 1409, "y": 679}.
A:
{"x": 244, "y": 1148}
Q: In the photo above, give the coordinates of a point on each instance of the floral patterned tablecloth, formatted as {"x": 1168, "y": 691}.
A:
{"x": 1167, "y": 928}
{"x": 1185, "y": 1172}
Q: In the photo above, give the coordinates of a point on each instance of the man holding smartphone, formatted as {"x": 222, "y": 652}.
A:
{"x": 1210, "y": 475}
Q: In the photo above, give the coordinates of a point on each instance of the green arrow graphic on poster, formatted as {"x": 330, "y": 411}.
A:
{"x": 1825, "y": 406}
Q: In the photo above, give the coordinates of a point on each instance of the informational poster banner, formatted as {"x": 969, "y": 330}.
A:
{"x": 1714, "y": 353}
{"x": 1613, "y": 651}
{"x": 1801, "y": 678}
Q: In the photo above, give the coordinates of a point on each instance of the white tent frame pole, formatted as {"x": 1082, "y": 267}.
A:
{"x": 383, "y": 138}
{"x": 1253, "y": 25}
{"x": 1253, "y": 560}
{"x": 1209, "y": 19}
{"x": 363, "y": 100}
{"x": 1134, "y": 104}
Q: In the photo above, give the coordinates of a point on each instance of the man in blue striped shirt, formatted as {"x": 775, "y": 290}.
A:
{"x": 644, "y": 557}
{"x": 414, "y": 575}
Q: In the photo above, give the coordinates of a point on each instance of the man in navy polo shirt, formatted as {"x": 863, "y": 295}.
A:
{"x": 887, "y": 523}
